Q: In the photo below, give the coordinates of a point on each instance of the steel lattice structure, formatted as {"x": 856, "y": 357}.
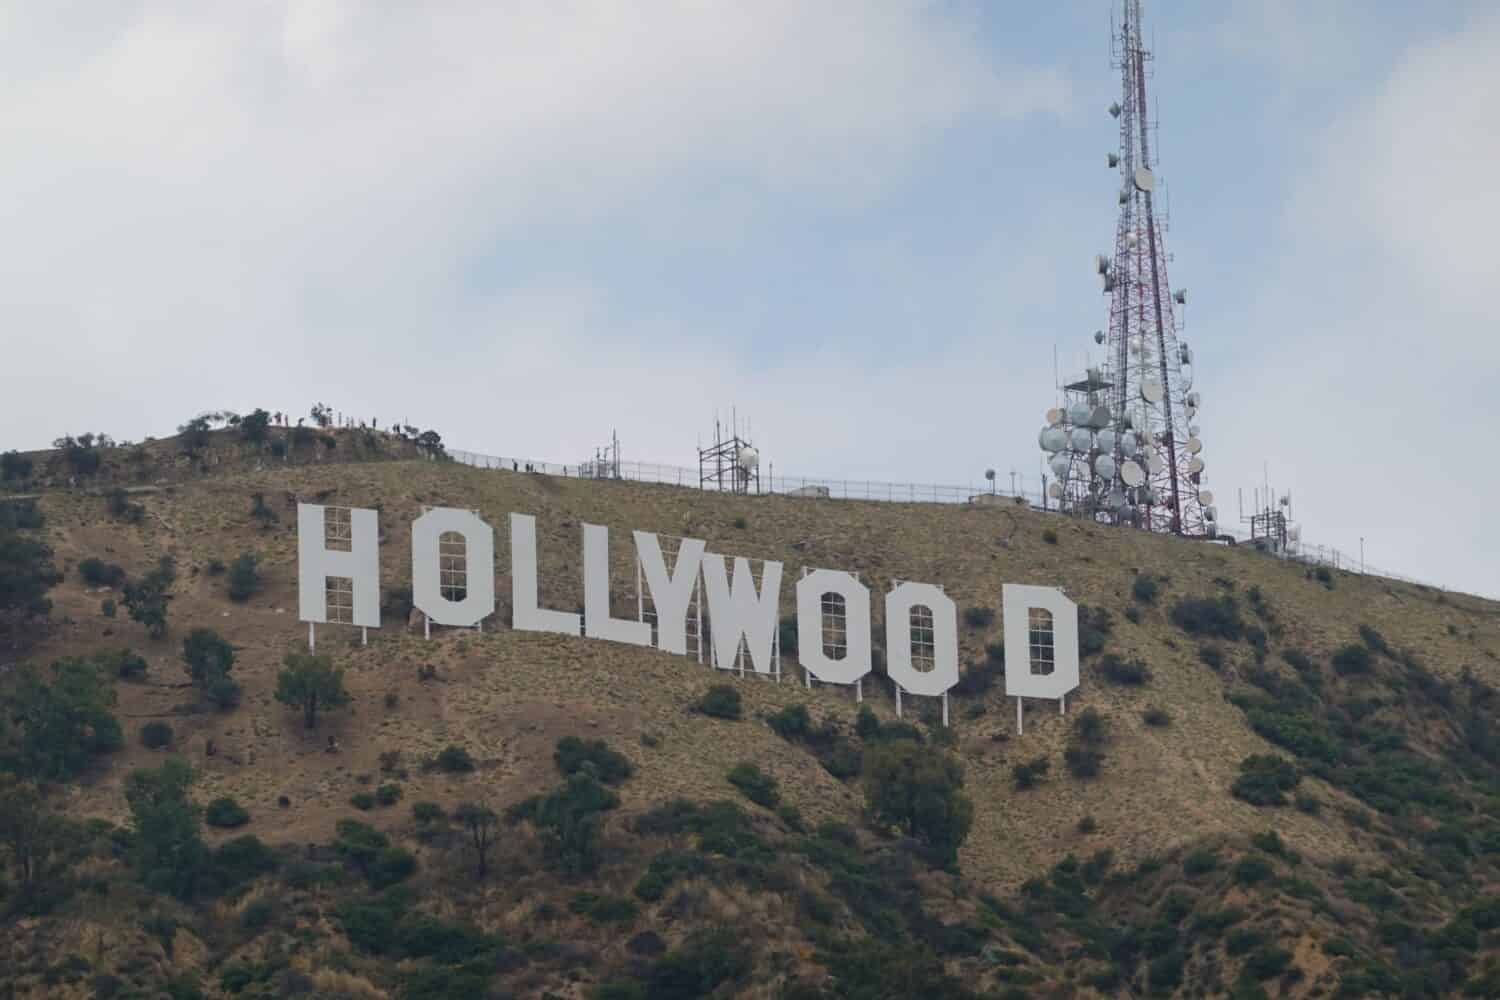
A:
{"x": 1125, "y": 446}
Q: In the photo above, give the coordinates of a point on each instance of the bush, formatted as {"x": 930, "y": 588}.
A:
{"x": 244, "y": 578}
{"x": 388, "y": 794}
{"x": 454, "y": 759}
{"x": 207, "y": 654}
{"x": 363, "y": 801}
{"x": 720, "y": 702}
{"x": 1049, "y": 536}
{"x": 98, "y": 573}
{"x": 1145, "y": 588}
{"x": 156, "y": 735}
{"x": 120, "y": 507}
{"x": 604, "y": 909}
{"x": 1085, "y": 752}
{"x": 1131, "y": 673}
{"x": 979, "y": 617}
{"x": 1252, "y": 869}
{"x": 225, "y": 812}
{"x": 125, "y": 664}
{"x": 792, "y": 722}
{"x": 14, "y": 465}
{"x": 1199, "y": 861}
{"x": 1212, "y": 656}
{"x": 1324, "y": 576}
{"x": 1156, "y": 717}
{"x": 1030, "y": 774}
{"x": 919, "y": 790}
{"x": 1353, "y": 659}
{"x": 427, "y": 812}
{"x": 107, "y": 607}
{"x": 570, "y": 820}
{"x": 1218, "y": 617}
{"x": 1094, "y": 627}
{"x": 1265, "y": 780}
{"x": 756, "y": 785}
{"x": 574, "y": 754}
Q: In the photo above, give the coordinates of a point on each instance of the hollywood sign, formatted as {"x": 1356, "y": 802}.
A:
{"x": 1040, "y": 623}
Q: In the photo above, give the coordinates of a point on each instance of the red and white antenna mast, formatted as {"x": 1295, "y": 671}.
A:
{"x": 1127, "y": 448}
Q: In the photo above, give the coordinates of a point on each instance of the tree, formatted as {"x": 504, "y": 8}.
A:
{"x": 14, "y": 465}
{"x": 195, "y": 431}
{"x": 919, "y": 789}
{"x": 310, "y": 682}
{"x": 481, "y": 822}
{"x": 207, "y": 654}
{"x": 26, "y": 574}
{"x": 63, "y": 722}
{"x": 244, "y": 581}
{"x": 25, "y": 828}
{"x": 147, "y": 598}
{"x": 169, "y": 849}
{"x": 255, "y": 426}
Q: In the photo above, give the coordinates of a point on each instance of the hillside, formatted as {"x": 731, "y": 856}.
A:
{"x": 1144, "y": 878}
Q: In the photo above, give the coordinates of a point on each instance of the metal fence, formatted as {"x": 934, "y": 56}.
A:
{"x": 865, "y": 489}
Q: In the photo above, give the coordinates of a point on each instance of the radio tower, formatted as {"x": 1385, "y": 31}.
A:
{"x": 1125, "y": 445}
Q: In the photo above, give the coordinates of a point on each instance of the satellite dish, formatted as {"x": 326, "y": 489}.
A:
{"x": 1114, "y": 160}
{"x": 1104, "y": 465}
{"x": 1056, "y": 415}
{"x": 1151, "y": 390}
{"x": 1192, "y": 399}
{"x": 1127, "y": 445}
{"x": 1060, "y": 465}
{"x": 1098, "y": 336}
{"x": 1115, "y": 109}
{"x": 1105, "y": 440}
{"x": 1180, "y": 296}
{"x": 747, "y": 458}
{"x": 1055, "y": 439}
{"x": 1078, "y": 413}
{"x": 1195, "y": 465}
{"x": 1156, "y": 464}
{"x": 990, "y": 473}
{"x": 1082, "y": 440}
{"x": 1145, "y": 180}
{"x": 1185, "y": 354}
{"x": 1055, "y": 490}
{"x": 1206, "y": 497}
{"x": 1192, "y": 411}
{"x": 1194, "y": 446}
{"x": 1132, "y": 474}
{"x": 1099, "y": 417}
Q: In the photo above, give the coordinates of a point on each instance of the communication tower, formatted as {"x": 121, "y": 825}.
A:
{"x": 1125, "y": 445}
{"x": 606, "y": 461}
{"x": 732, "y": 462}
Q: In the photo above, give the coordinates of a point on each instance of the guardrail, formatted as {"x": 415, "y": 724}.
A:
{"x": 857, "y": 489}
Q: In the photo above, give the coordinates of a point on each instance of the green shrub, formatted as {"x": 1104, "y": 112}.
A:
{"x": 1049, "y": 536}
{"x": 1130, "y": 673}
{"x": 756, "y": 785}
{"x": 125, "y": 664}
{"x": 570, "y": 820}
{"x": 1029, "y": 774}
{"x": 1094, "y": 627}
{"x": 362, "y": 801}
{"x": 604, "y": 909}
{"x": 1251, "y": 870}
{"x": 244, "y": 578}
{"x": 791, "y": 723}
{"x": 1156, "y": 717}
{"x": 1217, "y": 617}
{"x": 1144, "y": 588}
{"x": 225, "y": 812}
{"x": 979, "y": 617}
{"x": 156, "y": 735}
{"x": 426, "y": 812}
{"x": 388, "y": 794}
{"x": 721, "y": 701}
{"x": 107, "y": 607}
{"x": 919, "y": 790}
{"x": 609, "y": 766}
{"x": 454, "y": 759}
{"x": 1324, "y": 576}
{"x": 1199, "y": 861}
{"x": 1353, "y": 659}
{"x": 1265, "y": 780}
{"x": 98, "y": 573}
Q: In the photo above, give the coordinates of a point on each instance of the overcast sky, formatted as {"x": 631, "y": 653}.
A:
{"x": 867, "y": 225}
